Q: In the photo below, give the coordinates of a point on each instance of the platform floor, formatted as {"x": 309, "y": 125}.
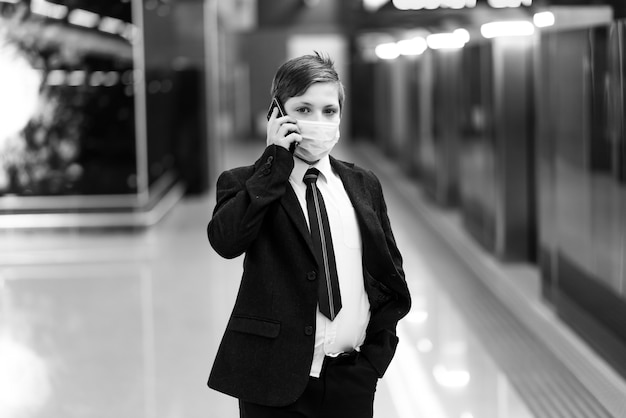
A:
{"x": 125, "y": 324}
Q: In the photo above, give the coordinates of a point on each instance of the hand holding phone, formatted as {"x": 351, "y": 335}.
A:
{"x": 276, "y": 104}
{"x": 292, "y": 140}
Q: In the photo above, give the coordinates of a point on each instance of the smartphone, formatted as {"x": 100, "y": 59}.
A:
{"x": 279, "y": 105}
{"x": 281, "y": 112}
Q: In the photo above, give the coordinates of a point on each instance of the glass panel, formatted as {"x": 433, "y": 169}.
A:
{"x": 589, "y": 202}
{"x": 545, "y": 101}
{"x": 477, "y": 153}
{"x": 68, "y": 123}
{"x": 605, "y": 134}
{"x": 571, "y": 134}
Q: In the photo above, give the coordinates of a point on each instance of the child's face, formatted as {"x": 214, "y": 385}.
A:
{"x": 320, "y": 103}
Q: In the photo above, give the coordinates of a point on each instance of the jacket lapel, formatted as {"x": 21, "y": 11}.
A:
{"x": 290, "y": 203}
{"x": 355, "y": 187}
{"x": 374, "y": 247}
{"x": 357, "y": 192}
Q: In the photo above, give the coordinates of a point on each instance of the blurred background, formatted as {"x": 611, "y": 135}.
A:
{"x": 497, "y": 128}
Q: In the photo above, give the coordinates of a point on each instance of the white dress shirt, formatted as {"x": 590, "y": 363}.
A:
{"x": 347, "y": 332}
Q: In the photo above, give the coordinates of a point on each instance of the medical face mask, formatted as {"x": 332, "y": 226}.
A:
{"x": 318, "y": 139}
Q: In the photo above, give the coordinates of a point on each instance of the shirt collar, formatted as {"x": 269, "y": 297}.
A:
{"x": 300, "y": 168}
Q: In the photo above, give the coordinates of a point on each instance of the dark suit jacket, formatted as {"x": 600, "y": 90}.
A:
{"x": 266, "y": 353}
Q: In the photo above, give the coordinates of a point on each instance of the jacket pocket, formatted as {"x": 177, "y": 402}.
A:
{"x": 255, "y": 326}
{"x": 377, "y": 293}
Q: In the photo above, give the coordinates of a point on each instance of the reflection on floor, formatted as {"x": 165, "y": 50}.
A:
{"x": 126, "y": 324}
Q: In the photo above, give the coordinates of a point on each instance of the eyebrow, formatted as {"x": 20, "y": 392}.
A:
{"x": 310, "y": 104}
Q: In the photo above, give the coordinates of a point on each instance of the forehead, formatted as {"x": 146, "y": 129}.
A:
{"x": 326, "y": 92}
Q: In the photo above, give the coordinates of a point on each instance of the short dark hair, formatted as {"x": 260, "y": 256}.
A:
{"x": 295, "y": 76}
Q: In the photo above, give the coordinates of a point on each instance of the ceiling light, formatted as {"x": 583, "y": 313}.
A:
{"x": 462, "y": 34}
{"x": 51, "y": 10}
{"x": 85, "y": 18}
{"x": 373, "y": 5}
{"x": 387, "y": 51}
{"x": 458, "y": 4}
{"x": 432, "y": 4}
{"x": 445, "y": 41}
{"x": 414, "y": 46}
{"x": 543, "y": 19}
{"x": 509, "y": 3}
{"x": 111, "y": 25}
{"x": 510, "y": 28}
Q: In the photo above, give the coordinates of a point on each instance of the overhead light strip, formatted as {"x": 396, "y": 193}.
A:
{"x": 47, "y": 9}
{"x": 543, "y": 19}
{"x": 432, "y": 4}
{"x": 507, "y": 28}
{"x": 85, "y": 18}
{"x": 500, "y": 4}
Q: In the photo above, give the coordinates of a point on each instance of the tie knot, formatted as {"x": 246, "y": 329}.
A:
{"x": 311, "y": 176}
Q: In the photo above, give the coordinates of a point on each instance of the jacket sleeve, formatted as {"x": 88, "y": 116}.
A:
{"x": 243, "y": 198}
{"x": 380, "y": 344}
{"x": 391, "y": 241}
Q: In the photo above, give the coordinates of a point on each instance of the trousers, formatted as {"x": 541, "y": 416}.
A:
{"x": 345, "y": 388}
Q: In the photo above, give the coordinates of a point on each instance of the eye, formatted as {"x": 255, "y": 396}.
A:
{"x": 330, "y": 111}
{"x": 303, "y": 110}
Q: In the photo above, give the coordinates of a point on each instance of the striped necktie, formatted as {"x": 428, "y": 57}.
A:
{"x": 328, "y": 293}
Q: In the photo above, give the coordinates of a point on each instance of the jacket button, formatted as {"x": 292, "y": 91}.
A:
{"x": 308, "y": 330}
{"x": 311, "y": 275}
